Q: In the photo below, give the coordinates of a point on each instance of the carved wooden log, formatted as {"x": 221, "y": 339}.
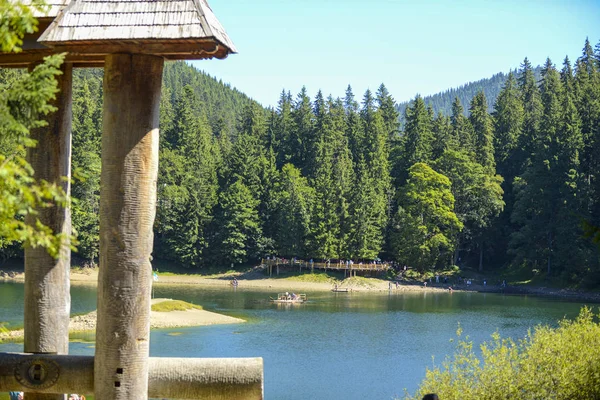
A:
{"x": 47, "y": 297}
{"x": 180, "y": 378}
{"x": 127, "y": 208}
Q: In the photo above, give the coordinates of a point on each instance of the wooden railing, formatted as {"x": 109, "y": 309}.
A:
{"x": 345, "y": 266}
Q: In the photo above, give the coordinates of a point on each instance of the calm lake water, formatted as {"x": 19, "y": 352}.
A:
{"x": 336, "y": 346}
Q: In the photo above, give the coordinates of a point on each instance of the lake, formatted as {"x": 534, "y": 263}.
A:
{"x": 337, "y": 345}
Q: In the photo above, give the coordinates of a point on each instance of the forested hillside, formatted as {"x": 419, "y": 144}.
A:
{"x": 442, "y": 102}
{"x": 336, "y": 178}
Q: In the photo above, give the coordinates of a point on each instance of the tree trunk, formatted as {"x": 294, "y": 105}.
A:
{"x": 132, "y": 86}
{"x": 481, "y": 256}
{"x": 456, "y": 255}
{"x": 549, "y": 252}
{"x": 47, "y": 297}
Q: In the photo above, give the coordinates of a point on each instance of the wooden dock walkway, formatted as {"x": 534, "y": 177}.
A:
{"x": 349, "y": 268}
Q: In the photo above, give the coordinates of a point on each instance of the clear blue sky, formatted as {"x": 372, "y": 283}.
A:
{"x": 412, "y": 46}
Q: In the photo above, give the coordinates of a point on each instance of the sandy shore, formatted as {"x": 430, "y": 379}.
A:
{"x": 251, "y": 280}
{"x": 257, "y": 280}
{"x": 158, "y": 320}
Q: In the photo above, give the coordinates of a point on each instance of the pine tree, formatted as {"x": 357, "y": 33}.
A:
{"x": 587, "y": 101}
{"x": 283, "y": 129}
{"x": 85, "y": 163}
{"x": 508, "y": 127}
{"x": 365, "y": 237}
{"x": 481, "y": 123}
{"x": 343, "y": 170}
{"x": 442, "y": 136}
{"x": 508, "y": 118}
{"x": 189, "y": 184}
{"x": 302, "y": 140}
{"x": 332, "y": 180}
{"x": 354, "y": 129}
{"x": 546, "y": 199}
{"x": 461, "y": 129}
{"x": 238, "y": 225}
{"x": 293, "y": 204}
{"x": 387, "y": 108}
{"x": 376, "y": 156}
{"x": 532, "y": 108}
{"x": 417, "y": 137}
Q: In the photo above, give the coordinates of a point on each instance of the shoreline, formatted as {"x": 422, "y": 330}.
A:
{"x": 256, "y": 280}
{"x": 86, "y": 323}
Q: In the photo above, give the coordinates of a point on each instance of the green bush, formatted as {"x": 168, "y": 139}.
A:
{"x": 549, "y": 363}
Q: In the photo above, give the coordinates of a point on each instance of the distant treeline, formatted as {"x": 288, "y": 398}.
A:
{"x": 442, "y": 102}
{"x": 336, "y": 178}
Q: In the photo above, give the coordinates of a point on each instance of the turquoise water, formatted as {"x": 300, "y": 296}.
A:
{"x": 336, "y": 346}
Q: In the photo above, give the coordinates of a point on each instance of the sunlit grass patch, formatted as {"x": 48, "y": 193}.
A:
{"x": 317, "y": 277}
{"x": 361, "y": 282}
{"x": 174, "y": 305}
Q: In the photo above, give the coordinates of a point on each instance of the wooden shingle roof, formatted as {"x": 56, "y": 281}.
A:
{"x": 175, "y": 29}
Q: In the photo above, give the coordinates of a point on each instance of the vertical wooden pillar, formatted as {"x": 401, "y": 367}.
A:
{"x": 127, "y": 208}
{"x": 47, "y": 297}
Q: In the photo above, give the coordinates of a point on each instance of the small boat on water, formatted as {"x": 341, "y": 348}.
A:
{"x": 289, "y": 298}
{"x": 340, "y": 290}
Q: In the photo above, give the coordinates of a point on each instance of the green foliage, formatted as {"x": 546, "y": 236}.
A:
{"x": 17, "y": 20}
{"x": 442, "y": 103}
{"x": 293, "y": 204}
{"x": 549, "y": 363}
{"x": 238, "y": 224}
{"x": 417, "y": 137}
{"x": 24, "y": 100}
{"x": 477, "y": 194}
{"x": 483, "y": 138}
{"x": 425, "y": 225}
{"x": 86, "y": 162}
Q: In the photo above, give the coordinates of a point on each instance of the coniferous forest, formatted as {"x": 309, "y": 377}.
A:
{"x": 340, "y": 178}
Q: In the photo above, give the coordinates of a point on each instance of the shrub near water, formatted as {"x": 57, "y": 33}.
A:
{"x": 550, "y": 363}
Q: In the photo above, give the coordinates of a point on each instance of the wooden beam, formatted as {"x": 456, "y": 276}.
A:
{"x": 81, "y": 54}
{"x": 47, "y": 297}
{"x": 180, "y": 378}
{"x": 181, "y": 49}
{"x": 132, "y": 86}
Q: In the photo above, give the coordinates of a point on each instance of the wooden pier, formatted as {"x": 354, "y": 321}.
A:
{"x": 350, "y": 268}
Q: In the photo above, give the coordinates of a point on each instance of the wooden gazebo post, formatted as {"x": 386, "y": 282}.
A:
{"x": 47, "y": 296}
{"x": 127, "y": 207}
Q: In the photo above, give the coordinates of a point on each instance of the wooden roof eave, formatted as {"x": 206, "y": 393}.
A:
{"x": 179, "y": 49}
{"x": 92, "y": 54}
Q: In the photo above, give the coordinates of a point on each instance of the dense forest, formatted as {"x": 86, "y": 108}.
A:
{"x": 442, "y": 102}
{"x": 337, "y": 178}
